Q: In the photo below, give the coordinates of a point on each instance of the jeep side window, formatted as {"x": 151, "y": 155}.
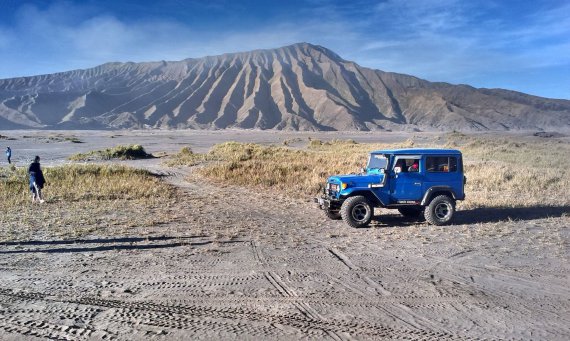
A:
{"x": 413, "y": 165}
{"x": 408, "y": 165}
{"x": 453, "y": 164}
{"x": 402, "y": 164}
{"x": 441, "y": 164}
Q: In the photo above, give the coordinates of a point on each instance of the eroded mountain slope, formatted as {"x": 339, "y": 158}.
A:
{"x": 297, "y": 87}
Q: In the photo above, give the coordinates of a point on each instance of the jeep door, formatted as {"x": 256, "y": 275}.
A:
{"x": 407, "y": 184}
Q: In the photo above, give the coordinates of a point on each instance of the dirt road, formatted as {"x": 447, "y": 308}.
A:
{"x": 247, "y": 264}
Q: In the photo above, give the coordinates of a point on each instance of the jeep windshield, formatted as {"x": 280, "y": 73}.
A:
{"x": 376, "y": 162}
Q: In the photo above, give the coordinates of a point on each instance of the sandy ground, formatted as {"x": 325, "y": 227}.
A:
{"x": 252, "y": 265}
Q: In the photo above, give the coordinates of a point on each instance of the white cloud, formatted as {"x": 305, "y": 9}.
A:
{"x": 450, "y": 40}
{"x": 447, "y": 40}
{"x": 51, "y": 38}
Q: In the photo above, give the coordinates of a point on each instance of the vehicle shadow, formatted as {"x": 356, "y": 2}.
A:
{"x": 106, "y": 244}
{"x": 393, "y": 219}
{"x": 497, "y": 214}
{"x": 477, "y": 215}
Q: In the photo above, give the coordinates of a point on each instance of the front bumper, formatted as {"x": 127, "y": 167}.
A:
{"x": 323, "y": 203}
{"x": 327, "y": 203}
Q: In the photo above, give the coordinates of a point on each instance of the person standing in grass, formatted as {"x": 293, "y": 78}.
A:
{"x": 9, "y": 154}
{"x": 37, "y": 180}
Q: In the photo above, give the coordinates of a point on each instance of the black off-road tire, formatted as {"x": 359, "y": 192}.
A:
{"x": 414, "y": 212}
{"x": 357, "y": 211}
{"x": 334, "y": 215}
{"x": 440, "y": 210}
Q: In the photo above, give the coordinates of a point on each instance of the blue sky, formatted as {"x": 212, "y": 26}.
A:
{"x": 519, "y": 45}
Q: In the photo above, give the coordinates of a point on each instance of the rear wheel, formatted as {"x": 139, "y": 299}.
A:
{"x": 334, "y": 215}
{"x": 440, "y": 210}
{"x": 411, "y": 211}
{"x": 357, "y": 211}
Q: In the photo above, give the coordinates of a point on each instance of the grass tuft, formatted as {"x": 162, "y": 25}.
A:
{"x": 130, "y": 152}
{"x": 81, "y": 199}
{"x": 4, "y": 137}
{"x": 185, "y": 157}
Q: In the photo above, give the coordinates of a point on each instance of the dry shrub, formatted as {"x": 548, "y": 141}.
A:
{"x": 255, "y": 165}
{"x": 82, "y": 199}
{"x": 185, "y": 157}
{"x": 513, "y": 172}
{"x": 130, "y": 152}
{"x": 81, "y": 182}
{"x": 292, "y": 171}
{"x": 501, "y": 172}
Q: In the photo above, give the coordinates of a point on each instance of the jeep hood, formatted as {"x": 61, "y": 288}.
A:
{"x": 356, "y": 180}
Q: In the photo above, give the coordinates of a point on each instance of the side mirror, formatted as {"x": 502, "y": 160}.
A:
{"x": 397, "y": 170}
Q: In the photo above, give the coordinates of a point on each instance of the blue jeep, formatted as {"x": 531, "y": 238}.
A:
{"x": 414, "y": 181}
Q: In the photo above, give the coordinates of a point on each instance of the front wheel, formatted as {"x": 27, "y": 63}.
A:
{"x": 440, "y": 210}
{"x": 357, "y": 211}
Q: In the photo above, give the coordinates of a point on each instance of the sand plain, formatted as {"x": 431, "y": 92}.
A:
{"x": 247, "y": 264}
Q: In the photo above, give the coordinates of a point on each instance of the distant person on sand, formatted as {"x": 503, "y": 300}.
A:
{"x": 9, "y": 154}
{"x": 37, "y": 180}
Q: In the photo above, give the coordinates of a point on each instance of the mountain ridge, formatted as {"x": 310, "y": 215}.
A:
{"x": 296, "y": 87}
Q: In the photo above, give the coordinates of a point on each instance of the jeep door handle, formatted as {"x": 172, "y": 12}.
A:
{"x": 417, "y": 183}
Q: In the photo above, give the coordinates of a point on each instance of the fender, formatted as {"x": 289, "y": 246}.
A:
{"x": 435, "y": 189}
{"x": 350, "y": 192}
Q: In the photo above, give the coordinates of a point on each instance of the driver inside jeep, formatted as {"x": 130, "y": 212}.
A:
{"x": 414, "y": 167}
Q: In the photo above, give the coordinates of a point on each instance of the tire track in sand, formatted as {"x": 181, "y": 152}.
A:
{"x": 286, "y": 291}
{"x": 184, "y": 317}
{"x": 393, "y": 308}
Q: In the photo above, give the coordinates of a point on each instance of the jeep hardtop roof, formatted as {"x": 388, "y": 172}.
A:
{"x": 416, "y": 151}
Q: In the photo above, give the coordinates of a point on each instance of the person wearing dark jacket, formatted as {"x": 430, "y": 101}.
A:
{"x": 37, "y": 180}
{"x": 9, "y": 154}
